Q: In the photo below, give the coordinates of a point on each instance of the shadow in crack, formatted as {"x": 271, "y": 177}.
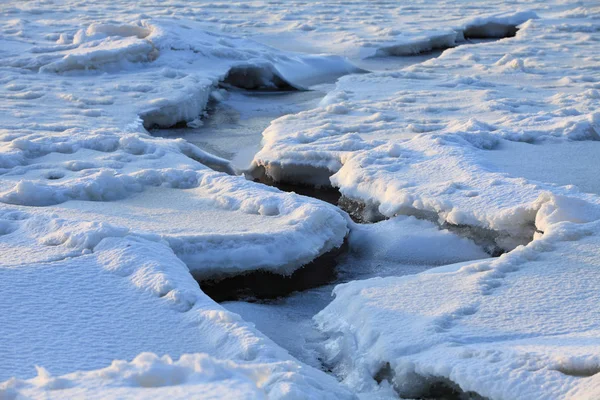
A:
{"x": 268, "y": 285}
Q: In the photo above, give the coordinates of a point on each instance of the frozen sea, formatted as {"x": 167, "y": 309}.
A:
{"x": 299, "y": 200}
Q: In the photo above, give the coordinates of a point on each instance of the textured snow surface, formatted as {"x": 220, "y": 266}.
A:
{"x": 196, "y": 375}
{"x": 80, "y": 138}
{"x": 416, "y": 141}
{"x": 83, "y": 294}
{"x": 524, "y": 325}
{"x": 104, "y": 223}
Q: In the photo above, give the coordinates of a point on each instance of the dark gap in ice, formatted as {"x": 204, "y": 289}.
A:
{"x": 415, "y": 386}
{"x": 579, "y": 372}
{"x": 54, "y": 175}
{"x": 385, "y": 373}
{"x": 435, "y": 46}
{"x": 360, "y": 212}
{"x": 490, "y": 30}
{"x": 444, "y": 389}
{"x": 250, "y": 77}
{"x": 327, "y": 194}
{"x": 275, "y": 174}
{"x": 356, "y": 209}
{"x": 268, "y": 285}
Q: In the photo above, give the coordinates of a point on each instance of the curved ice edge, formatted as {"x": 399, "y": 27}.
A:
{"x": 424, "y": 387}
{"x": 491, "y": 27}
{"x": 288, "y": 176}
{"x": 273, "y": 173}
{"x": 263, "y": 284}
{"x": 295, "y": 73}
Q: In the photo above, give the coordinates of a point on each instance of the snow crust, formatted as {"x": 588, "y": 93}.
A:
{"x": 416, "y": 141}
{"x": 102, "y": 224}
{"x": 520, "y": 326}
{"x": 97, "y": 214}
{"x": 150, "y": 376}
{"x": 83, "y": 294}
{"x": 82, "y": 139}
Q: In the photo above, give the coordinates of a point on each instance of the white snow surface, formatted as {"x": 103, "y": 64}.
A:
{"x": 101, "y": 222}
{"x": 97, "y": 215}
{"x": 197, "y": 375}
{"x": 415, "y": 141}
{"x": 413, "y": 241}
{"x": 72, "y": 133}
{"x": 523, "y": 326}
{"x": 78, "y": 295}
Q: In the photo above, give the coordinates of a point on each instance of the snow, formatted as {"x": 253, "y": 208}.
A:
{"x": 224, "y": 225}
{"x": 528, "y": 160}
{"x": 233, "y": 127}
{"x": 401, "y": 143}
{"x": 150, "y": 376}
{"x": 520, "y": 326}
{"x": 97, "y": 214}
{"x": 106, "y": 294}
{"x": 99, "y": 88}
{"x": 413, "y": 241}
{"x": 126, "y": 136}
{"x": 374, "y": 250}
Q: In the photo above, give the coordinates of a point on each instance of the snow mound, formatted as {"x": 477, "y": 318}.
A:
{"x": 102, "y": 44}
{"x": 149, "y": 375}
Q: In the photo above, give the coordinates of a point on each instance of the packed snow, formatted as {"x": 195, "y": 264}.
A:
{"x": 106, "y": 294}
{"x": 524, "y": 325}
{"x": 133, "y": 142}
{"x": 415, "y": 141}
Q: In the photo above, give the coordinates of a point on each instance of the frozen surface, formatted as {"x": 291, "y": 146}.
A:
{"x": 524, "y": 325}
{"x": 233, "y": 128}
{"x": 150, "y": 377}
{"x": 81, "y": 137}
{"x": 562, "y": 163}
{"x": 225, "y": 225}
{"x": 412, "y": 141}
{"x": 102, "y": 221}
{"x": 374, "y": 250}
{"x": 97, "y": 215}
{"x": 199, "y": 375}
{"x": 109, "y": 295}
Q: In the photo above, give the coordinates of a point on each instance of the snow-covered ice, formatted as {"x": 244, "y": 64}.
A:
{"x": 415, "y": 141}
{"x": 233, "y": 127}
{"x": 126, "y": 131}
{"x": 524, "y": 325}
{"x": 112, "y": 295}
{"x": 374, "y": 250}
{"x": 99, "y": 216}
